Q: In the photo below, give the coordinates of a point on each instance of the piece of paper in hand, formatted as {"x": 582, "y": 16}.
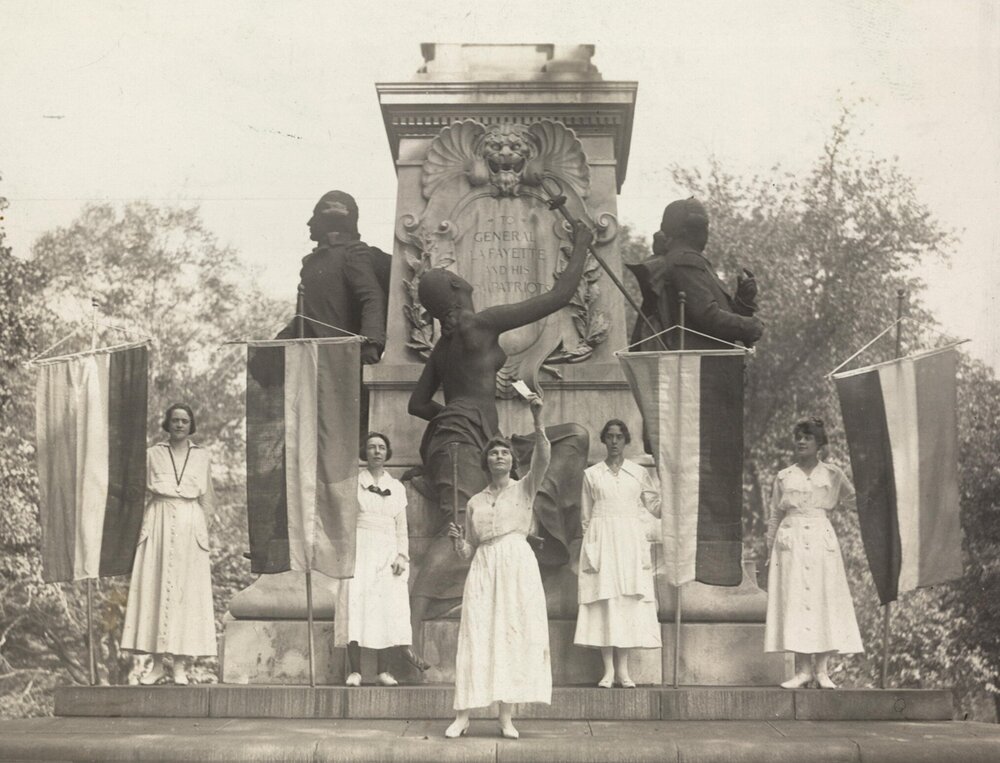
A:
{"x": 524, "y": 390}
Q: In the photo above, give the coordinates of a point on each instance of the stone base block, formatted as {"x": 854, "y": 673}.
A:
{"x": 718, "y": 654}
{"x": 723, "y": 654}
{"x": 277, "y": 652}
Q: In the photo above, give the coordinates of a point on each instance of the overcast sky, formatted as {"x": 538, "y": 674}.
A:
{"x": 254, "y": 109}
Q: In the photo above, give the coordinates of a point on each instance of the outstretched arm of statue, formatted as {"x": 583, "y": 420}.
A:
{"x": 422, "y": 403}
{"x": 505, "y": 317}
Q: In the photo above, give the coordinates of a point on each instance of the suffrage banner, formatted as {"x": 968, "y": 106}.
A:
{"x": 900, "y": 419}
{"x": 303, "y": 416}
{"x": 90, "y": 427}
{"x": 692, "y": 411}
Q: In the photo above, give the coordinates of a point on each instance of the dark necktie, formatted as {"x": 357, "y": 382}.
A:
{"x": 379, "y": 491}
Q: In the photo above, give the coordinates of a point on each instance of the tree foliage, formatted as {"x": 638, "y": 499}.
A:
{"x": 156, "y": 272}
{"x": 21, "y": 316}
{"x": 830, "y": 250}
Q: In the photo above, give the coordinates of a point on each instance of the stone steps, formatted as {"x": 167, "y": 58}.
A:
{"x": 318, "y": 741}
{"x": 568, "y": 703}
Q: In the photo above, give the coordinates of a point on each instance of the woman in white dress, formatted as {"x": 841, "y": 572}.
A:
{"x": 616, "y": 596}
{"x": 169, "y": 607}
{"x": 373, "y": 608}
{"x": 503, "y": 639}
{"x": 809, "y": 606}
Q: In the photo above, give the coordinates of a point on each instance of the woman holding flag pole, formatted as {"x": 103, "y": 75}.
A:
{"x": 503, "y": 639}
{"x": 809, "y": 606}
{"x": 169, "y": 607}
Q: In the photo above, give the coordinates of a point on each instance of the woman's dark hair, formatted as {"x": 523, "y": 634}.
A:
{"x": 497, "y": 441}
{"x": 812, "y": 426}
{"x": 363, "y": 450}
{"x": 178, "y": 407}
{"x": 616, "y": 423}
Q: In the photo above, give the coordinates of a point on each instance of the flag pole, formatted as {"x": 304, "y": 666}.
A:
{"x": 91, "y": 656}
{"x": 453, "y": 455}
{"x": 300, "y": 300}
{"x": 682, "y": 297}
{"x": 887, "y": 610}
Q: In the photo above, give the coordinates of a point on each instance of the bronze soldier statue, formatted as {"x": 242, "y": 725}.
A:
{"x": 342, "y": 290}
{"x": 679, "y": 265}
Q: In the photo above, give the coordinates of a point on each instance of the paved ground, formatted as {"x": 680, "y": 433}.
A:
{"x": 190, "y": 739}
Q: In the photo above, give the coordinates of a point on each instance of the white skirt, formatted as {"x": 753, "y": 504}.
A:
{"x": 503, "y": 639}
{"x": 373, "y": 608}
{"x": 809, "y": 606}
{"x": 169, "y": 607}
{"x": 615, "y": 560}
{"x": 627, "y": 622}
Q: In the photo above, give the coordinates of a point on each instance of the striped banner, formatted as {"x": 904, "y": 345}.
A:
{"x": 692, "y": 410}
{"x": 90, "y": 427}
{"x": 302, "y": 454}
{"x": 901, "y": 423}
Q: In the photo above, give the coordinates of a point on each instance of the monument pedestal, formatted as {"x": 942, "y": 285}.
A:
{"x": 722, "y": 636}
{"x": 472, "y": 136}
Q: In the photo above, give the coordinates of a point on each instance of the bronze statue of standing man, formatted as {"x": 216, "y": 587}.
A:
{"x": 679, "y": 265}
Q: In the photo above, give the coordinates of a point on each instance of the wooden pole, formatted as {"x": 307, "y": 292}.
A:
{"x": 91, "y": 652}
{"x": 677, "y": 497}
{"x": 300, "y": 306}
{"x": 299, "y": 334}
{"x": 453, "y": 454}
{"x": 887, "y": 609}
{"x": 309, "y": 624}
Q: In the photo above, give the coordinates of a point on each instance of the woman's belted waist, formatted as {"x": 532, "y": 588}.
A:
{"x": 807, "y": 513}
{"x": 174, "y": 498}
{"x": 616, "y": 511}
{"x": 498, "y": 538}
{"x": 376, "y": 522}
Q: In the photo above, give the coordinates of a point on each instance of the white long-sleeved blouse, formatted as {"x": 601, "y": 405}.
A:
{"x": 620, "y": 494}
{"x": 822, "y": 489}
{"x": 492, "y": 513}
{"x": 189, "y": 478}
{"x": 384, "y": 513}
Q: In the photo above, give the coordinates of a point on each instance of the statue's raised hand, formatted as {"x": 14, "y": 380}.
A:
{"x": 583, "y": 236}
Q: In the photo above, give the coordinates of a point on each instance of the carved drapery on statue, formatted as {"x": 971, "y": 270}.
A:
{"x": 487, "y": 218}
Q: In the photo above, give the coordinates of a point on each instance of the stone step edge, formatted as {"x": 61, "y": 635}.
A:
{"x": 568, "y": 703}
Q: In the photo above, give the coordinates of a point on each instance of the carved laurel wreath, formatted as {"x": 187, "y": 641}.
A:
{"x": 503, "y": 160}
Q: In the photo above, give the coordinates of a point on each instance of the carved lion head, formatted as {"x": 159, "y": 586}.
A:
{"x": 507, "y": 149}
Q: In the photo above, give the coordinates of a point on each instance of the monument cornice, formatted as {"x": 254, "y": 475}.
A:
{"x": 422, "y": 109}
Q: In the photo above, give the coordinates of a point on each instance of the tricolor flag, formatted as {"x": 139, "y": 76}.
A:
{"x": 90, "y": 426}
{"x": 900, "y": 420}
{"x": 692, "y": 409}
{"x": 303, "y": 416}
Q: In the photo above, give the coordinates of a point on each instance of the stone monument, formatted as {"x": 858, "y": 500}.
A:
{"x": 480, "y": 137}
